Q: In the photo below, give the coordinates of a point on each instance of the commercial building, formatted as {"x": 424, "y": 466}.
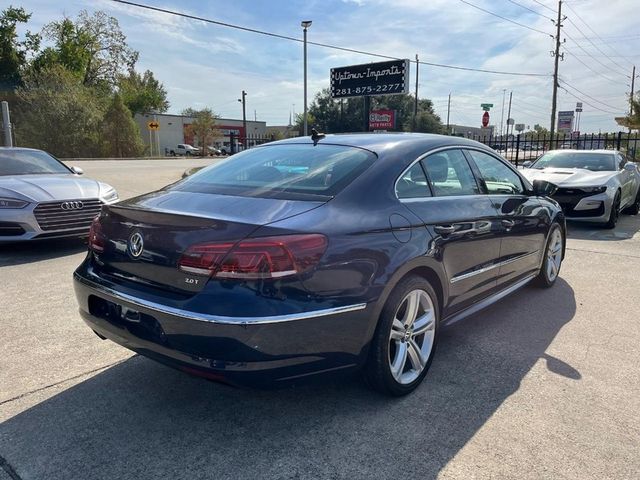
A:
{"x": 471, "y": 132}
{"x": 173, "y": 130}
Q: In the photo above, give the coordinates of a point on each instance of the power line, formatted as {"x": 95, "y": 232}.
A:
{"x": 589, "y": 67}
{"x": 593, "y": 44}
{"x": 583, "y": 100}
{"x": 594, "y": 32}
{"x": 594, "y": 58}
{"x": 530, "y": 9}
{"x": 506, "y": 19}
{"x": 545, "y": 6}
{"x": 591, "y": 98}
{"x": 324, "y": 45}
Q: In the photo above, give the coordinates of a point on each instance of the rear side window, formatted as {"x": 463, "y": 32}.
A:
{"x": 499, "y": 179}
{"x": 283, "y": 171}
{"x": 413, "y": 183}
{"x": 449, "y": 174}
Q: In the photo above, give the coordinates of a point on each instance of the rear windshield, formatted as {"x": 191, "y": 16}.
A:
{"x": 282, "y": 171}
{"x": 26, "y": 162}
{"x": 596, "y": 162}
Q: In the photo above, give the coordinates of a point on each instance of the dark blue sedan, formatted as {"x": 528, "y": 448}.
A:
{"x": 313, "y": 256}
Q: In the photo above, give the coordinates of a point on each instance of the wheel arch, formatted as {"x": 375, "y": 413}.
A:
{"x": 425, "y": 267}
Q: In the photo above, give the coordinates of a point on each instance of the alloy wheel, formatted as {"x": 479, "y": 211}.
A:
{"x": 554, "y": 255}
{"x": 412, "y": 336}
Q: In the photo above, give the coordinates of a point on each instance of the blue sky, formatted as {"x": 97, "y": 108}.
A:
{"x": 207, "y": 65}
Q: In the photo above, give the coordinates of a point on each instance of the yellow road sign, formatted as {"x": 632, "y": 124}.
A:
{"x": 153, "y": 125}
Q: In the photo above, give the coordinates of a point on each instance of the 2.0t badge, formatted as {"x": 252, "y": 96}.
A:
{"x": 136, "y": 244}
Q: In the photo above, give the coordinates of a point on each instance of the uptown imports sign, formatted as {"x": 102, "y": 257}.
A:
{"x": 382, "y": 78}
{"x": 382, "y": 119}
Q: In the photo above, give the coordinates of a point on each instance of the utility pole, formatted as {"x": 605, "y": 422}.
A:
{"x": 557, "y": 56}
{"x": 633, "y": 79}
{"x": 305, "y": 26}
{"x": 415, "y": 105}
{"x": 504, "y": 92}
{"x": 244, "y": 117}
{"x": 448, "y": 112}
{"x": 6, "y": 123}
{"x": 509, "y": 113}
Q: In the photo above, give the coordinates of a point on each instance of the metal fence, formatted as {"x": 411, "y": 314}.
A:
{"x": 523, "y": 147}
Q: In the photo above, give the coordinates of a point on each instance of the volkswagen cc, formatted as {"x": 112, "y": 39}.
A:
{"x": 316, "y": 256}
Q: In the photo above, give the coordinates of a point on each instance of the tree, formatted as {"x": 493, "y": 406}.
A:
{"x": 57, "y": 113}
{"x": 142, "y": 93}
{"x": 426, "y": 122}
{"x": 120, "y": 133}
{"x": 93, "y": 47}
{"x": 347, "y": 115}
{"x": 14, "y": 53}
{"x": 203, "y": 126}
{"x": 632, "y": 120}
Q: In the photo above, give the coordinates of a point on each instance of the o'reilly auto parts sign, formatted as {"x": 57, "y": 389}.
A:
{"x": 382, "y": 78}
{"x": 382, "y": 119}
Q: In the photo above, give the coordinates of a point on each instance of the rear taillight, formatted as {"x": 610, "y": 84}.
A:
{"x": 96, "y": 238}
{"x": 266, "y": 257}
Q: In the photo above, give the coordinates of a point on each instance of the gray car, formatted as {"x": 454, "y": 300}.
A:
{"x": 40, "y": 197}
{"x": 593, "y": 185}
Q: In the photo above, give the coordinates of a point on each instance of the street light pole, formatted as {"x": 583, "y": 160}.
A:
{"x": 504, "y": 91}
{"x": 244, "y": 117}
{"x": 305, "y": 25}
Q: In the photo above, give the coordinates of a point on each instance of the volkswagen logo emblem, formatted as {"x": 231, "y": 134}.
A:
{"x": 136, "y": 244}
{"x": 72, "y": 206}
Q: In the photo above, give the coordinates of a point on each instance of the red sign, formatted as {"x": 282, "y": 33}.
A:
{"x": 485, "y": 119}
{"x": 382, "y": 119}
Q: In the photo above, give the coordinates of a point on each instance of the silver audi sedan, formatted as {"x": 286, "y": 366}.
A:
{"x": 40, "y": 197}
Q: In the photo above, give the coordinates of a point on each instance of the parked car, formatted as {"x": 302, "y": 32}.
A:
{"x": 316, "y": 256}
{"x": 214, "y": 151}
{"x": 40, "y": 197}
{"x": 593, "y": 185}
{"x": 184, "y": 149}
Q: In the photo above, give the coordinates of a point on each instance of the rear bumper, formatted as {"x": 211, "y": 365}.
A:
{"x": 254, "y": 351}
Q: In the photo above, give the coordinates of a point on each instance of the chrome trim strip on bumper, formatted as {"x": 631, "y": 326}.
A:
{"x": 203, "y": 317}
{"x": 464, "y": 276}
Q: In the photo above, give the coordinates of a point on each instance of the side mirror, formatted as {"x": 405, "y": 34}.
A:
{"x": 527, "y": 164}
{"x": 630, "y": 166}
{"x": 77, "y": 170}
{"x": 542, "y": 188}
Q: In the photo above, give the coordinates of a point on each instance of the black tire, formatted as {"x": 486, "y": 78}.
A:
{"x": 543, "y": 279}
{"x": 188, "y": 154}
{"x": 615, "y": 213}
{"x": 172, "y": 153}
{"x": 378, "y": 370}
{"x": 634, "y": 209}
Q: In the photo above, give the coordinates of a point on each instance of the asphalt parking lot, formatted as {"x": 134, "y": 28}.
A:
{"x": 545, "y": 384}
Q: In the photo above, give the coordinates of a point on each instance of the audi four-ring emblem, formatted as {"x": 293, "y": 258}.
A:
{"x": 72, "y": 205}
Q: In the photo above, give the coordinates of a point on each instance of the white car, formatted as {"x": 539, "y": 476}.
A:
{"x": 40, "y": 197}
{"x": 184, "y": 150}
{"x": 593, "y": 185}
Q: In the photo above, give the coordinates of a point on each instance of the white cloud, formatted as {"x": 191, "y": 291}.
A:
{"x": 206, "y": 63}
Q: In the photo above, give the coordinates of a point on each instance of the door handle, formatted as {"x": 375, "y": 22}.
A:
{"x": 508, "y": 224}
{"x": 444, "y": 229}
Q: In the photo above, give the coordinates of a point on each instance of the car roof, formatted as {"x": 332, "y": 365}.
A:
{"x": 379, "y": 142}
{"x": 20, "y": 149}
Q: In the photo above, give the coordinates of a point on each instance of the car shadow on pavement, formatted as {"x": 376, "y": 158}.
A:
{"x": 628, "y": 226}
{"x": 141, "y": 420}
{"x": 35, "y": 251}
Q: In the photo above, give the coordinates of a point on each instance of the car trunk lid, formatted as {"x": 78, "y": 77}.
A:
{"x": 168, "y": 222}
